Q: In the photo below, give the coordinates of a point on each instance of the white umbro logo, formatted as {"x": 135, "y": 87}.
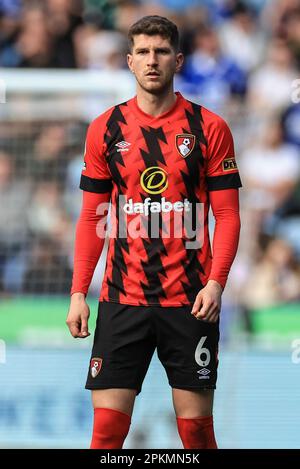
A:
{"x": 123, "y": 146}
{"x": 204, "y": 373}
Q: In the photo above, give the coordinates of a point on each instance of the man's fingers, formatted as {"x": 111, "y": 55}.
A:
{"x": 83, "y": 336}
{"x": 74, "y": 328}
{"x": 208, "y": 311}
{"x": 197, "y": 305}
{"x": 79, "y": 329}
{"x": 207, "y": 305}
{"x": 213, "y": 308}
{"x": 206, "y": 308}
{"x": 84, "y": 328}
{"x": 213, "y": 315}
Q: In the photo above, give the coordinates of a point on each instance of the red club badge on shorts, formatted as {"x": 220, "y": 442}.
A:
{"x": 96, "y": 364}
{"x": 185, "y": 144}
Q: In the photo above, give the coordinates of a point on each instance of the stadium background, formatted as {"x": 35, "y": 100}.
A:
{"x": 61, "y": 64}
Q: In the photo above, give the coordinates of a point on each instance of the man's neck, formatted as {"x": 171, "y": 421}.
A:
{"x": 155, "y": 105}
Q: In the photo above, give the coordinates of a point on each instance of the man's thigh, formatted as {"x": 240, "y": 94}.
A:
{"x": 123, "y": 347}
{"x": 187, "y": 348}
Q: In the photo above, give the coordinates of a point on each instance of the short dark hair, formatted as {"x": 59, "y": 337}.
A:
{"x": 152, "y": 26}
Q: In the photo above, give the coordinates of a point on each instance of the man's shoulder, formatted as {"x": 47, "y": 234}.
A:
{"x": 208, "y": 117}
{"x": 110, "y": 114}
{"x": 213, "y": 122}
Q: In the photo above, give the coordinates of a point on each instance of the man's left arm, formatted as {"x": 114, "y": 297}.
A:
{"x": 223, "y": 181}
{"x": 225, "y": 207}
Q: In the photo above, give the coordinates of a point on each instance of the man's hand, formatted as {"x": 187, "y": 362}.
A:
{"x": 207, "y": 305}
{"x": 78, "y": 316}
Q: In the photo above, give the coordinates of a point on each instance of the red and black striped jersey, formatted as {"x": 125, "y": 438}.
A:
{"x": 159, "y": 171}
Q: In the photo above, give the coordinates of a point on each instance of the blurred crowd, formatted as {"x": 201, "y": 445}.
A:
{"x": 242, "y": 60}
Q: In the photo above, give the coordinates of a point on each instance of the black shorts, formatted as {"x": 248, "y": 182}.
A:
{"x": 126, "y": 337}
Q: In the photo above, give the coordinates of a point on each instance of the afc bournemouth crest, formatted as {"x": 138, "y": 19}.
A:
{"x": 185, "y": 144}
{"x": 96, "y": 364}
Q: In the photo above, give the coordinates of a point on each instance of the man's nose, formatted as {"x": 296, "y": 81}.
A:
{"x": 152, "y": 58}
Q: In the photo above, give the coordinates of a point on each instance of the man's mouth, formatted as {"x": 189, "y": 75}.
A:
{"x": 152, "y": 74}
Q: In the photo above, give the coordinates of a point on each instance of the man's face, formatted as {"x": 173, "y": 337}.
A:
{"x": 154, "y": 62}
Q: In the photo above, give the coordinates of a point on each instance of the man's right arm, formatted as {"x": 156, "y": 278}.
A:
{"x": 96, "y": 183}
{"x": 89, "y": 241}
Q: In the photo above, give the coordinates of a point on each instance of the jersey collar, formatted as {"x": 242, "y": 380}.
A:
{"x": 156, "y": 121}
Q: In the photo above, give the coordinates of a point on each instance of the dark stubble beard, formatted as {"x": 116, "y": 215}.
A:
{"x": 160, "y": 91}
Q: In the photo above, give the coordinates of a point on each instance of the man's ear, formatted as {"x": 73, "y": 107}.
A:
{"x": 179, "y": 61}
{"x": 129, "y": 62}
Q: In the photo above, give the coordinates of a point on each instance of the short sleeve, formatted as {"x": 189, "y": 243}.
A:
{"x": 95, "y": 175}
{"x": 222, "y": 171}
